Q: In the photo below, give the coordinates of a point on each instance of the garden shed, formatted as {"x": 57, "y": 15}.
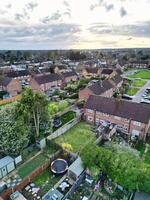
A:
{"x": 7, "y": 165}
{"x": 75, "y": 169}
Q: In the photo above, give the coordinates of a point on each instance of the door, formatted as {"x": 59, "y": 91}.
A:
{"x": 4, "y": 171}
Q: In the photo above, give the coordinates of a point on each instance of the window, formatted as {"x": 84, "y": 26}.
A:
{"x": 137, "y": 123}
{"x": 115, "y": 117}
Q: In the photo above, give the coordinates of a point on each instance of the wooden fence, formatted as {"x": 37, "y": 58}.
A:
{"x": 5, "y": 195}
{"x": 9, "y": 100}
{"x": 64, "y": 128}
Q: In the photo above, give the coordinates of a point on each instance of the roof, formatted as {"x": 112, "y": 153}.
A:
{"x": 100, "y": 87}
{"x": 76, "y": 167}
{"x": 4, "y": 81}
{"x": 93, "y": 70}
{"x": 107, "y": 71}
{"x": 53, "y": 192}
{"x": 14, "y": 74}
{"x": 141, "y": 196}
{"x": 5, "y": 161}
{"x": 47, "y": 78}
{"x": 125, "y": 109}
{"x": 68, "y": 74}
{"x": 60, "y": 66}
{"x": 117, "y": 79}
{"x": 17, "y": 196}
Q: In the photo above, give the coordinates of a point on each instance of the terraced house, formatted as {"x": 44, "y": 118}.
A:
{"x": 46, "y": 82}
{"x": 104, "y": 88}
{"x": 132, "y": 118}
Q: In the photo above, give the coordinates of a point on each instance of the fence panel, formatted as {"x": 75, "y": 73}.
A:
{"x": 64, "y": 128}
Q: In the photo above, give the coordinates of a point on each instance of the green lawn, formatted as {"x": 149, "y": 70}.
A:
{"x": 132, "y": 91}
{"x": 31, "y": 166}
{"x": 45, "y": 180}
{"x": 66, "y": 118}
{"x": 78, "y": 136}
{"x": 147, "y": 157}
{"x": 139, "y": 83}
{"x": 144, "y": 74}
{"x": 141, "y": 147}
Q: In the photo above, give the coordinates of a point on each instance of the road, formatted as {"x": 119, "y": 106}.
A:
{"x": 138, "y": 96}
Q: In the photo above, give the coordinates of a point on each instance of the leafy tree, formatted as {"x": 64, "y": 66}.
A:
{"x": 121, "y": 166}
{"x": 13, "y": 133}
{"x": 33, "y": 107}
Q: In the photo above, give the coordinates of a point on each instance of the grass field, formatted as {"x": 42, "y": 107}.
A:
{"x": 78, "y": 136}
{"x": 31, "y": 166}
{"x": 45, "y": 180}
{"x": 144, "y": 74}
{"x": 139, "y": 83}
{"x": 132, "y": 91}
{"x": 70, "y": 115}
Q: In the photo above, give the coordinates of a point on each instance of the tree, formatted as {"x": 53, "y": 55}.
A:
{"x": 122, "y": 167}
{"x": 33, "y": 107}
{"x": 13, "y": 133}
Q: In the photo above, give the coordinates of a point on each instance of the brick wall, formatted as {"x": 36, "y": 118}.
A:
{"x": 127, "y": 124}
{"x": 5, "y": 195}
{"x": 14, "y": 87}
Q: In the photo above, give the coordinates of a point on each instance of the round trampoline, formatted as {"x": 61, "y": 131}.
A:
{"x": 59, "y": 166}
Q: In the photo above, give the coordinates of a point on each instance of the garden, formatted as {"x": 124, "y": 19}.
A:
{"x": 143, "y": 74}
{"x": 65, "y": 118}
{"x": 139, "y": 83}
{"x": 132, "y": 91}
{"x": 78, "y": 136}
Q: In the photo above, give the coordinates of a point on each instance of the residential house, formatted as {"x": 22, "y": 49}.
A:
{"x": 58, "y": 69}
{"x": 116, "y": 81}
{"x": 101, "y": 88}
{"x": 70, "y": 76}
{"x": 19, "y": 75}
{"x": 46, "y": 82}
{"x": 91, "y": 72}
{"x": 130, "y": 117}
{"x": 140, "y": 64}
{"x": 107, "y": 73}
{"x": 12, "y": 86}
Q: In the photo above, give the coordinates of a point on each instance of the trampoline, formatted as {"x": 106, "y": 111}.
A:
{"x": 59, "y": 166}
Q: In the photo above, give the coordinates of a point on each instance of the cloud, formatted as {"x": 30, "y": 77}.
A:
{"x": 19, "y": 17}
{"x": 123, "y": 12}
{"x": 31, "y": 6}
{"x": 54, "y": 17}
{"x": 55, "y": 34}
{"x": 104, "y": 4}
{"x": 133, "y": 30}
{"x": 109, "y": 7}
{"x": 8, "y": 5}
{"x": 66, "y": 3}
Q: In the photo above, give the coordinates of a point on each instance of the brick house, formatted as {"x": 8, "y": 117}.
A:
{"x": 101, "y": 88}
{"x": 108, "y": 73}
{"x": 116, "y": 81}
{"x": 12, "y": 86}
{"x": 132, "y": 118}
{"x": 19, "y": 75}
{"x": 46, "y": 82}
{"x": 58, "y": 69}
{"x": 91, "y": 72}
{"x": 70, "y": 76}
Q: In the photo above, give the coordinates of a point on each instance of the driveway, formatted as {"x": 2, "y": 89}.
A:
{"x": 138, "y": 96}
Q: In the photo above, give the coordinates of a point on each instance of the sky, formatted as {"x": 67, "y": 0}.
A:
{"x": 74, "y": 24}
